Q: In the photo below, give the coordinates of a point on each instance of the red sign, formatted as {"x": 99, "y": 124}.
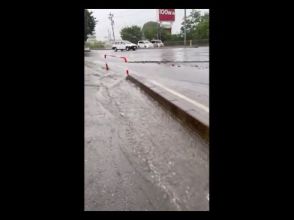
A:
{"x": 166, "y": 14}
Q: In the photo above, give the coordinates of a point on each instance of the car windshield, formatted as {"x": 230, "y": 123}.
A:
{"x": 127, "y": 42}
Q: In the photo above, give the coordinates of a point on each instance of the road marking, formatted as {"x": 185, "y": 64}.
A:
{"x": 199, "y": 105}
{"x": 205, "y": 108}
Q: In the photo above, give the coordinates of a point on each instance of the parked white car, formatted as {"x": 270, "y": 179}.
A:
{"x": 157, "y": 43}
{"x": 123, "y": 45}
{"x": 145, "y": 44}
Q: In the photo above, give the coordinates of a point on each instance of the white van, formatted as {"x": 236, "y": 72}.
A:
{"x": 123, "y": 45}
{"x": 157, "y": 43}
{"x": 145, "y": 44}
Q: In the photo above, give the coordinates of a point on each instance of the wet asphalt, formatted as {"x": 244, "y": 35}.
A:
{"x": 138, "y": 157}
{"x": 184, "y": 70}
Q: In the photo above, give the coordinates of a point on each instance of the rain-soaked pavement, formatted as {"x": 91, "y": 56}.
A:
{"x": 137, "y": 155}
{"x": 184, "y": 70}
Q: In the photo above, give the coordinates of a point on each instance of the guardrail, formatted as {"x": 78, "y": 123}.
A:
{"x": 123, "y": 58}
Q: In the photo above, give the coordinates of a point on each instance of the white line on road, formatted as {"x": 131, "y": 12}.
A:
{"x": 199, "y": 105}
{"x": 205, "y": 108}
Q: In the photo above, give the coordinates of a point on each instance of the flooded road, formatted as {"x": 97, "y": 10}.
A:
{"x": 138, "y": 157}
{"x": 184, "y": 70}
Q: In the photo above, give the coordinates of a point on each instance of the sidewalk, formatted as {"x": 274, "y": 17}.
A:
{"x": 195, "y": 114}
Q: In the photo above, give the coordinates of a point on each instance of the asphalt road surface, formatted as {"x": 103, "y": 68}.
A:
{"x": 184, "y": 70}
{"x": 138, "y": 157}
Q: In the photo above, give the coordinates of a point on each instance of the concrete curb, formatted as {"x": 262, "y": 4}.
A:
{"x": 178, "y": 108}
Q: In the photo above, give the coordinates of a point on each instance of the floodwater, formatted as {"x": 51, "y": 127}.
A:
{"x": 138, "y": 157}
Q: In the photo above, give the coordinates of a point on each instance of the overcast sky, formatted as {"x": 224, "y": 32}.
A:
{"x": 129, "y": 17}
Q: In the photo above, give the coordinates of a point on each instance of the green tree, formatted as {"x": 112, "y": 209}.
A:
{"x": 132, "y": 34}
{"x": 192, "y": 22}
{"x": 90, "y": 23}
{"x": 177, "y": 37}
{"x": 202, "y": 29}
{"x": 165, "y": 34}
{"x": 150, "y": 30}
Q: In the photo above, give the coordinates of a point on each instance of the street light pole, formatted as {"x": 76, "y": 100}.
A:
{"x": 185, "y": 34}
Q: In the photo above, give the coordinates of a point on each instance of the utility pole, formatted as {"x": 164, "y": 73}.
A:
{"x": 185, "y": 34}
{"x": 112, "y": 23}
{"x": 109, "y": 35}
